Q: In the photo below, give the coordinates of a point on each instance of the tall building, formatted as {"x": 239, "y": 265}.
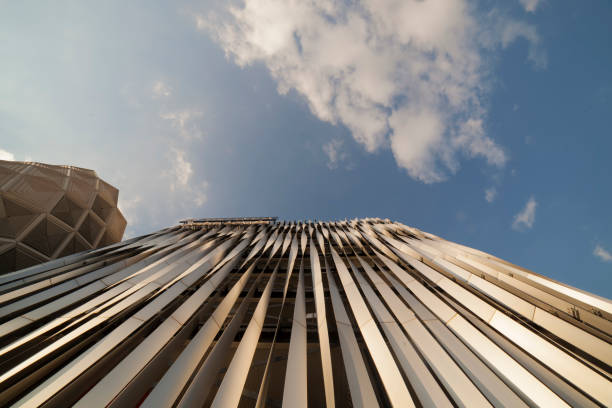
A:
{"x": 48, "y": 212}
{"x": 257, "y": 312}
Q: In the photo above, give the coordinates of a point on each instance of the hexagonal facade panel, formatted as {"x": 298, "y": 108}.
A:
{"x": 49, "y": 211}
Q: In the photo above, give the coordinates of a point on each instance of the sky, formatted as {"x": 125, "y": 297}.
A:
{"x": 484, "y": 122}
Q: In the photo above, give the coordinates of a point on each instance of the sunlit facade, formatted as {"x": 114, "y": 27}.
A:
{"x": 49, "y": 211}
{"x": 259, "y": 312}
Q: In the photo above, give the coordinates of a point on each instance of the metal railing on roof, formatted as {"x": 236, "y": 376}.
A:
{"x": 204, "y": 222}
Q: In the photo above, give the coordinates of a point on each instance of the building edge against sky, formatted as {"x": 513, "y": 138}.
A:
{"x": 50, "y": 211}
{"x": 265, "y": 312}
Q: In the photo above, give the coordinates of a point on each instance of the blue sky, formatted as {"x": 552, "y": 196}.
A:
{"x": 484, "y": 122}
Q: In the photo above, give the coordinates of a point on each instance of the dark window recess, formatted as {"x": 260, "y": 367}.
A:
{"x": 68, "y": 211}
{"x": 102, "y": 208}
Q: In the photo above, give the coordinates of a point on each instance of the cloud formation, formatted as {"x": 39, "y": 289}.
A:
{"x": 334, "y": 153}
{"x": 530, "y": 5}
{"x": 166, "y": 185}
{"x": 490, "y": 194}
{"x": 526, "y": 218}
{"x": 185, "y": 122}
{"x": 162, "y": 192}
{"x": 130, "y": 209}
{"x": 181, "y": 169}
{"x": 602, "y": 254}
{"x": 181, "y": 181}
{"x": 404, "y": 75}
{"x": 511, "y": 30}
{"x": 161, "y": 89}
{"x": 4, "y": 155}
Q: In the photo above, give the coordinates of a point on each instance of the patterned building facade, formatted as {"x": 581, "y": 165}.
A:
{"x": 49, "y": 211}
{"x": 257, "y": 312}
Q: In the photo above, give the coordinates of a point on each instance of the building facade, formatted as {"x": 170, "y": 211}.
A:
{"x": 49, "y": 211}
{"x": 257, "y": 312}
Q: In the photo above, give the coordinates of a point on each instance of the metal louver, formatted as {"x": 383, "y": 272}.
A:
{"x": 256, "y": 312}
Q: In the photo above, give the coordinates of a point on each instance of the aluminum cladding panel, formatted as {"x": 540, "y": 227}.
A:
{"x": 256, "y": 312}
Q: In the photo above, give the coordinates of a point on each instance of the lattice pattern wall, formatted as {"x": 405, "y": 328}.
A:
{"x": 50, "y": 211}
{"x": 354, "y": 313}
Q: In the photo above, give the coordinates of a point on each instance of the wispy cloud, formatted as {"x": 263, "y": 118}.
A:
{"x": 408, "y": 76}
{"x": 602, "y": 254}
{"x": 530, "y": 5}
{"x": 181, "y": 169}
{"x": 4, "y": 155}
{"x": 526, "y": 218}
{"x": 335, "y": 154}
{"x": 186, "y": 122}
{"x": 511, "y": 30}
{"x": 181, "y": 179}
{"x": 129, "y": 206}
{"x": 165, "y": 186}
{"x": 490, "y": 194}
{"x": 198, "y": 194}
{"x": 161, "y": 89}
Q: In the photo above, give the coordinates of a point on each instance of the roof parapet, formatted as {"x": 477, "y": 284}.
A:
{"x": 197, "y": 223}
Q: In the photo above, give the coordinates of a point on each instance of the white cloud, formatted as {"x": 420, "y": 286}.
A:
{"x": 405, "y": 75}
{"x": 182, "y": 184}
{"x": 181, "y": 170}
{"x": 602, "y": 254}
{"x": 335, "y": 154}
{"x": 4, "y": 155}
{"x": 198, "y": 194}
{"x": 530, "y": 5}
{"x": 525, "y": 219}
{"x": 185, "y": 121}
{"x": 490, "y": 194}
{"x": 471, "y": 138}
{"x": 160, "y": 191}
{"x": 161, "y": 89}
{"x": 511, "y": 30}
{"x": 129, "y": 207}
{"x": 187, "y": 189}
{"x": 416, "y": 138}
